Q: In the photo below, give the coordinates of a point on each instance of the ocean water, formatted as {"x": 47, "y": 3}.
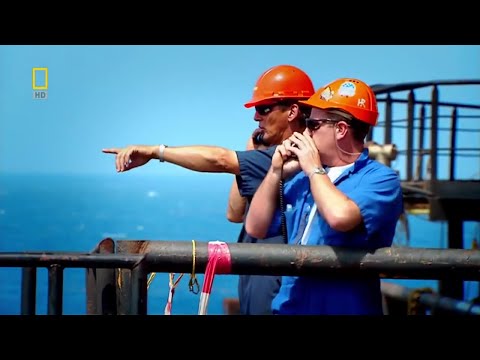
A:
{"x": 74, "y": 212}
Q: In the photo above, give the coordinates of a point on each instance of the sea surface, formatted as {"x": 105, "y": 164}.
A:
{"x": 74, "y": 212}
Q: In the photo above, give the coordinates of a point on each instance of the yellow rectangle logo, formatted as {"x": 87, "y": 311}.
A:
{"x": 34, "y": 79}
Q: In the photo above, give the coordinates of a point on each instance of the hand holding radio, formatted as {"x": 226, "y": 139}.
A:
{"x": 284, "y": 162}
{"x": 304, "y": 148}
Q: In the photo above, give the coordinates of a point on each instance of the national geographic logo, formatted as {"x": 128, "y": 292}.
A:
{"x": 40, "y": 83}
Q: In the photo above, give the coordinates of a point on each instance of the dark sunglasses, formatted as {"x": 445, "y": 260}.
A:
{"x": 314, "y": 124}
{"x": 267, "y": 109}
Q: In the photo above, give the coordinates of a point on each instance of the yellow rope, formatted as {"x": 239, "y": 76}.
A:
{"x": 193, "y": 282}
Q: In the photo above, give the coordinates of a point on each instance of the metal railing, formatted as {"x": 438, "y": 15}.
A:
{"x": 425, "y": 118}
{"x": 109, "y": 293}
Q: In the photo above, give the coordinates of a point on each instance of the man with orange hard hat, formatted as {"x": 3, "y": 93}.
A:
{"x": 336, "y": 196}
{"x": 279, "y": 114}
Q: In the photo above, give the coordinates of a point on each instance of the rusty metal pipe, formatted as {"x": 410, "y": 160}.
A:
{"x": 279, "y": 259}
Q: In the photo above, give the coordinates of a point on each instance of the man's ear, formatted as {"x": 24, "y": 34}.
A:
{"x": 293, "y": 112}
{"x": 341, "y": 128}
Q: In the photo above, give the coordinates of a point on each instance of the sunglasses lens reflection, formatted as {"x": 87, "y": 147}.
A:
{"x": 263, "y": 109}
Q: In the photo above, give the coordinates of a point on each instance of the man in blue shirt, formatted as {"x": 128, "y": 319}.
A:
{"x": 275, "y": 98}
{"x": 335, "y": 196}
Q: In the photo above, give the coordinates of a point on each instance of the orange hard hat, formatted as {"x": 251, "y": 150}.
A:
{"x": 350, "y": 95}
{"x": 279, "y": 83}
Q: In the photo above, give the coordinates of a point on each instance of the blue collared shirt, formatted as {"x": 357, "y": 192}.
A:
{"x": 376, "y": 190}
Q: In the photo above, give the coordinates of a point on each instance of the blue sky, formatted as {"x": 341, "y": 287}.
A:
{"x": 106, "y": 96}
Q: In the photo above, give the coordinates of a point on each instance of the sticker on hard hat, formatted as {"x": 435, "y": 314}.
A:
{"x": 347, "y": 89}
{"x": 326, "y": 94}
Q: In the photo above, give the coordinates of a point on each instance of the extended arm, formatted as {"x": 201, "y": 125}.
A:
{"x": 202, "y": 158}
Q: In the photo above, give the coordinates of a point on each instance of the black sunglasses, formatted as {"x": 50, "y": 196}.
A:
{"x": 314, "y": 124}
{"x": 266, "y": 109}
